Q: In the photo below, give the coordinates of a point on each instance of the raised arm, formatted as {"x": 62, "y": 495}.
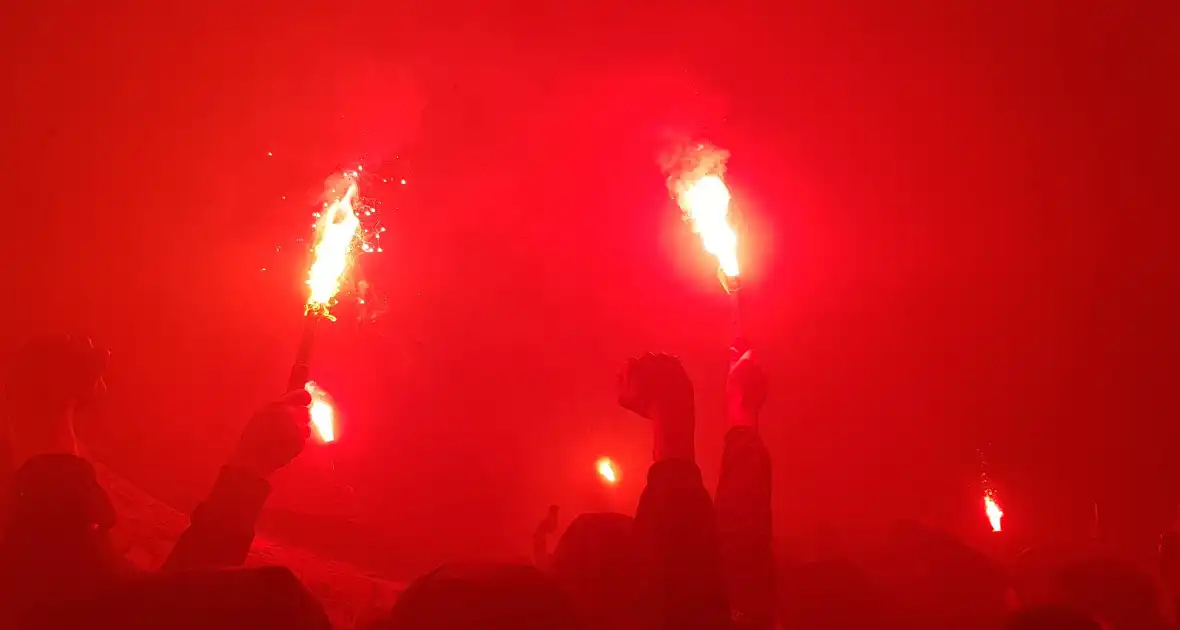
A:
{"x": 743, "y": 500}
{"x": 222, "y": 527}
{"x": 55, "y": 542}
{"x": 675, "y": 527}
{"x": 49, "y": 380}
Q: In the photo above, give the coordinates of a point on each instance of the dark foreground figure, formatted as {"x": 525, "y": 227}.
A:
{"x": 685, "y": 561}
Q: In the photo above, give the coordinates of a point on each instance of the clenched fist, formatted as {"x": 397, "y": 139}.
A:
{"x": 275, "y": 435}
{"x": 656, "y": 387}
{"x": 655, "y": 384}
{"x": 745, "y": 390}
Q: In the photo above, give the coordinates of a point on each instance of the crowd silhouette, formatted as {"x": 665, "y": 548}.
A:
{"x": 687, "y": 559}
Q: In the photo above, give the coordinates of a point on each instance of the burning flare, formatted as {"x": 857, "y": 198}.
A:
{"x": 606, "y": 470}
{"x": 322, "y": 412}
{"x": 702, "y": 194}
{"x": 337, "y": 229}
{"x": 992, "y": 509}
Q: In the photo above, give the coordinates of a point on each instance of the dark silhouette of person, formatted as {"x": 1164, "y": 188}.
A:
{"x": 57, "y": 518}
{"x": 743, "y": 500}
{"x": 220, "y": 599}
{"x": 937, "y": 581}
{"x": 1051, "y": 617}
{"x": 481, "y": 596}
{"x": 830, "y": 595}
{"x": 596, "y": 564}
{"x": 222, "y": 527}
{"x": 546, "y": 528}
{"x": 1113, "y": 592}
{"x": 681, "y": 585}
{"x": 56, "y": 546}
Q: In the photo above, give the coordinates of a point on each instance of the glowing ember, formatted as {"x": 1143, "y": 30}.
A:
{"x": 992, "y": 509}
{"x": 606, "y": 470}
{"x": 337, "y": 229}
{"x": 322, "y": 412}
{"x": 702, "y": 194}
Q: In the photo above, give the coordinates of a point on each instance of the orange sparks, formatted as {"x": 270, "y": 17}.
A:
{"x": 704, "y": 198}
{"x": 337, "y": 229}
{"x": 992, "y": 509}
{"x": 322, "y": 412}
{"x": 606, "y": 470}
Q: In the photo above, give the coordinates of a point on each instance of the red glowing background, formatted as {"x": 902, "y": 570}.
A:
{"x": 955, "y": 236}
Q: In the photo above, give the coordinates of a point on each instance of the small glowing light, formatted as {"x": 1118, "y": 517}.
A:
{"x": 403, "y": 182}
{"x": 322, "y": 412}
{"x": 606, "y": 469}
{"x": 269, "y": 154}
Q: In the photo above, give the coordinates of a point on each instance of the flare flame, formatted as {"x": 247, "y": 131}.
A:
{"x": 337, "y": 229}
{"x": 994, "y": 514}
{"x": 699, "y": 188}
{"x": 606, "y": 470}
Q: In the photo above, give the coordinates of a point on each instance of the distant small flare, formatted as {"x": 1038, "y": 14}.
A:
{"x": 606, "y": 470}
{"x": 322, "y": 412}
{"x": 994, "y": 514}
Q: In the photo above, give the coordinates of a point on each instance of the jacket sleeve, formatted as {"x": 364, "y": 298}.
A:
{"x": 677, "y": 533}
{"x": 222, "y": 527}
{"x": 744, "y": 524}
